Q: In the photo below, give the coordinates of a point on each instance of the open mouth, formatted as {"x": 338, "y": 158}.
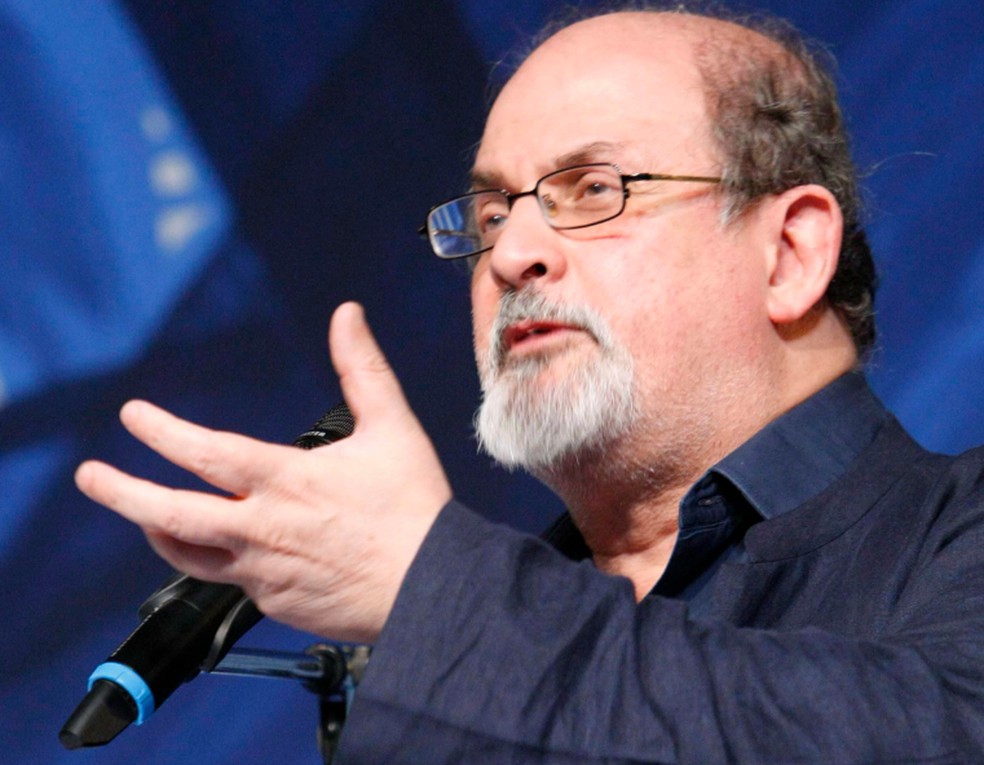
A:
{"x": 529, "y": 333}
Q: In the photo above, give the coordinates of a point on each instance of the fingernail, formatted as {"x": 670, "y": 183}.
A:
{"x": 82, "y": 473}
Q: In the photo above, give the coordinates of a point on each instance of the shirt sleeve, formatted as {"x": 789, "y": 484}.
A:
{"x": 500, "y": 650}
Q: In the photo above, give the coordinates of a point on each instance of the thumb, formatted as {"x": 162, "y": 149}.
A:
{"x": 368, "y": 383}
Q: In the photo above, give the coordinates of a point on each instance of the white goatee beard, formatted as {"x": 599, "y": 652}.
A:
{"x": 537, "y": 426}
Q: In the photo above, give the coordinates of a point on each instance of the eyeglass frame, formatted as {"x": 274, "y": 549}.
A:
{"x": 625, "y": 179}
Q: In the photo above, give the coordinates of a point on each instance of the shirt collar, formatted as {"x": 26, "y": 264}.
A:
{"x": 798, "y": 455}
{"x": 788, "y": 462}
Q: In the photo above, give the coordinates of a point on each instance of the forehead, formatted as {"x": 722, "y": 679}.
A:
{"x": 628, "y": 82}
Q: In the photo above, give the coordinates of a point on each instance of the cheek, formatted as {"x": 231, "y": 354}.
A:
{"x": 484, "y": 305}
{"x": 676, "y": 306}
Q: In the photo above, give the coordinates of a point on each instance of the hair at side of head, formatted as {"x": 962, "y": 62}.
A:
{"x": 774, "y": 114}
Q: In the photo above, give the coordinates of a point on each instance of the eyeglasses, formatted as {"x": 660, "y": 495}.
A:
{"x": 574, "y": 197}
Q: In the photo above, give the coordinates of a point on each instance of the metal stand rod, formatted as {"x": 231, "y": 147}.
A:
{"x": 330, "y": 671}
{"x": 257, "y": 662}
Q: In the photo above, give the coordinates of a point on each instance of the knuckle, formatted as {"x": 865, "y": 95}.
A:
{"x": 277, "y": 540}
{"x": 202, "y": 457}
{"x": 271, "y": 596}
{"x": 171, "y": 522}
{"x": 376, "y": 362}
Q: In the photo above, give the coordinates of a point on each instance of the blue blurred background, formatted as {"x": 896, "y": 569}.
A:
{"x": 188, "y": 189}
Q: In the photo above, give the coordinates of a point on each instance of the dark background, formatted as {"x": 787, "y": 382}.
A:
{"x": 188, "y": 189}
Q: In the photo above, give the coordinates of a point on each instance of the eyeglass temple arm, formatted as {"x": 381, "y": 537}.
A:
{"x": 662, "y": 177}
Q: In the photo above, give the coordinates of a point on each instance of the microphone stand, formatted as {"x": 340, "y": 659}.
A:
{"x": 330, "y": 671}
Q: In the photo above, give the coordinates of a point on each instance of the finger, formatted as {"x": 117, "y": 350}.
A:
{"x": 189, "y": 516}
{"x": 228, "y": 461}
{"x": 368, "y": 383}
{"x": 211, "y": 564}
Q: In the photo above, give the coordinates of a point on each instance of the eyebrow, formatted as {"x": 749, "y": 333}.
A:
{"x": 596, "y": 151}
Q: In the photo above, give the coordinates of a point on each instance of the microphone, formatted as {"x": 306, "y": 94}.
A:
{"x": 188, "y": 626}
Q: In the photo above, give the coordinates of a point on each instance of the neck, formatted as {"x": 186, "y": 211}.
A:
{"x": 625, "y": 502}
{"x": 627, "y": 513}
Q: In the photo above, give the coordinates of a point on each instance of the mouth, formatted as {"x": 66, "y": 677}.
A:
{"x": 530, "y": 335}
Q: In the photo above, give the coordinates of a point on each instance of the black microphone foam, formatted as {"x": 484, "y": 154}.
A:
{"x": 187, "y": 626}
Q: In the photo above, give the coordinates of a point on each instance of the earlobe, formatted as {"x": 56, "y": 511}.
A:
{"x": 807, "y": 247}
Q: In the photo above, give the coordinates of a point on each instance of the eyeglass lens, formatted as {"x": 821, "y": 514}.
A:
{"x": 569, "y": 198}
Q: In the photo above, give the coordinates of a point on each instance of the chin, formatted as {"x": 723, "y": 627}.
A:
{"x": 547, "y": 412}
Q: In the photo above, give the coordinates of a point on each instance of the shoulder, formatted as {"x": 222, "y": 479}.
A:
{"x": 894, "y": 490}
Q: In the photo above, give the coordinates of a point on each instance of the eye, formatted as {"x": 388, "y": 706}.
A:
{"x": 596, "y": 185}
{"x": 490, "y": 213}
{"x": 490, "y": 222}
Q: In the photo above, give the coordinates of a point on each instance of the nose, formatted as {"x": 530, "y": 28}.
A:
{"x": 527, "y": 249}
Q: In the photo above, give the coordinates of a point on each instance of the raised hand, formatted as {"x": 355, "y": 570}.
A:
{"x": 319, "y": 539}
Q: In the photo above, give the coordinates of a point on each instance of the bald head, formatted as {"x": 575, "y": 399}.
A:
{"x": 647, "y": 28}
{"x": 628, "y": 80}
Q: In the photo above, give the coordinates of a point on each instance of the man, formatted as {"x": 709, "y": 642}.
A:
{"x": 669, "y": 300}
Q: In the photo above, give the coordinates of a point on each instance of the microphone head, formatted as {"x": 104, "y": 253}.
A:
{"x": 335, "y": 424}
{"x": 105, "y": 711}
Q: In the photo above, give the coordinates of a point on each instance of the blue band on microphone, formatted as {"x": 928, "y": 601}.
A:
{"x": 130, "y": 682}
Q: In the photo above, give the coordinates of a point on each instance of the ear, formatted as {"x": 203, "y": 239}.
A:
{"x": 809, "y": 228}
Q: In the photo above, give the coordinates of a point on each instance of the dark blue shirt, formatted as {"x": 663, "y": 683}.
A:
{"x": 844, "y": 626}
{"x": 762, "y": 479}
